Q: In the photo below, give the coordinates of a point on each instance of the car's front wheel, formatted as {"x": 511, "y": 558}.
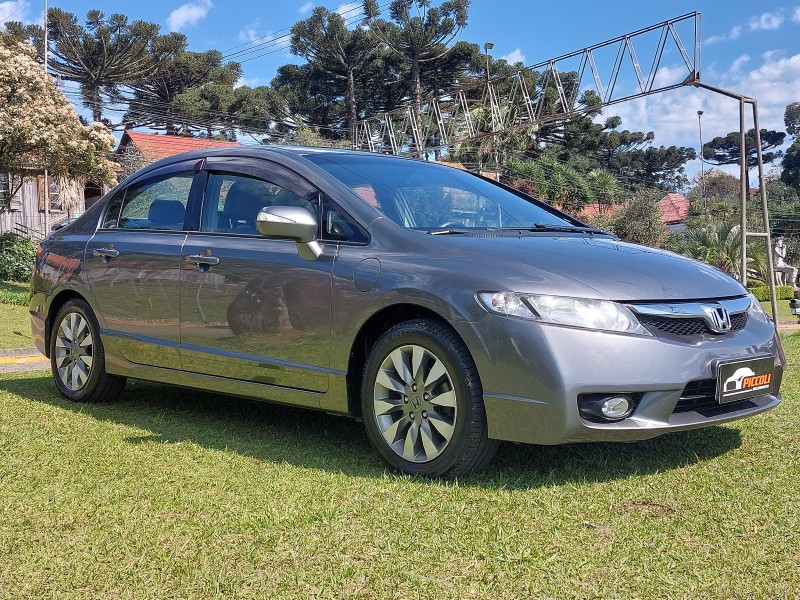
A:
{"x": 422, "y": 402}
{"x": 77, "y": 357}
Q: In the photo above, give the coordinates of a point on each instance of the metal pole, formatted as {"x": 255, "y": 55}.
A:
{"x": 46, "y": 177}
{"x": 744, "y": 191}
{"x": 765, "y": 213}
{"x": 702, "y": 168}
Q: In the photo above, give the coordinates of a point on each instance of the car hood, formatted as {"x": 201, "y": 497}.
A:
{"x": 589, "y": 267}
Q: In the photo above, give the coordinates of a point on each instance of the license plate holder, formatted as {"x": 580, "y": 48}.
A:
{"x": 742, "y": 379}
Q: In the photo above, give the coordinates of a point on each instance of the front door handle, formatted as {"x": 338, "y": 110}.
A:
{"x": 201, "y": 259}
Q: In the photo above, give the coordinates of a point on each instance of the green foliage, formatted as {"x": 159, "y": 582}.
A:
{"x": 791, "y": 166}
{"x": 638, "y": 221}
{"x": 791, "y": 117}
{"x": 17, "y": 257}
{"x": 782, "y": 292}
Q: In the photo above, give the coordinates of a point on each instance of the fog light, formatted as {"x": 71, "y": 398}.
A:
{"x": 603, "y": 408}
{"x": 616, "y": 407}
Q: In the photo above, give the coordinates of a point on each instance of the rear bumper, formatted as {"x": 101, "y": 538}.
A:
{"x": 39, "y": 330}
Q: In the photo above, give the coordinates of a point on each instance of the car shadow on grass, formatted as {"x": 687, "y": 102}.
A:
{"x": 313, "y": 439}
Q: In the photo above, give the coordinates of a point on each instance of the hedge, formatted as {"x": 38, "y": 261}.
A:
{"x": 17, "y": 257}
{"x": 783, "y": 292}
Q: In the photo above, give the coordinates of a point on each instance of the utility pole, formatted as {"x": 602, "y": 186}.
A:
{"x": 46, "y": 177}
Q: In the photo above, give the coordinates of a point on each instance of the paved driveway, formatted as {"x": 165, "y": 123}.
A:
{"x": 25, "y": 359}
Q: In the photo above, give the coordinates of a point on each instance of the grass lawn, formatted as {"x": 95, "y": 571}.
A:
{"x": 785, "y": 317}
{"x": 14, "y": 293}
{"x": 15, "y": 327}
{"x": 174, "y": 493}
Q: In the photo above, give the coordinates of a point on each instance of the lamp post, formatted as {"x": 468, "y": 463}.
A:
{"x": 702, "y": 168}
{"x": 486, "y": 47}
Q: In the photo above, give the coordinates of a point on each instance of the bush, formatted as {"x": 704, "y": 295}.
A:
{"x": 17, "y": 257}
{"x": 783, "y": 292}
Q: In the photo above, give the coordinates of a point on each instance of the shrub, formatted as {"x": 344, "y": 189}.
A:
{"x": 17, "y": 257}
{"x": 783, "y": 292}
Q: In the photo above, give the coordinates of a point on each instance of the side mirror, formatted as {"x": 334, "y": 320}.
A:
{"x": 291, "y": 223}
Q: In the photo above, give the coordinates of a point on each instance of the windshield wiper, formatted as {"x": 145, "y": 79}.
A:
{"x": 550, "y": 227}
{"x": 448, "y": 231}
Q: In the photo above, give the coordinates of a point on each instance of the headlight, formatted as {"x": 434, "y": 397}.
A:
{"x": 575, "y": 312}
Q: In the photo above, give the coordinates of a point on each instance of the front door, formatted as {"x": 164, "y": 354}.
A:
{"x": 251, "y": 308}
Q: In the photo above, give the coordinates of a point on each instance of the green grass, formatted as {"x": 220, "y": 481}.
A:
{"x": 15, "y": 327}
{"x": 175, "y": 493}
{"x": 14, "y": 293}
{"x": 785, "y": 317}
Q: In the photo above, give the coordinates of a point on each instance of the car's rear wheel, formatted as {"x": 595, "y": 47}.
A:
{"x": 422, "y": 402}
{"x": 77, "y": 357}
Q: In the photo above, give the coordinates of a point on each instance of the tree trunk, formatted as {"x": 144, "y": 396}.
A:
{"x": 97, "y": 110}
{"x": 352, "y": 112}
{"x": 416, "y": 98}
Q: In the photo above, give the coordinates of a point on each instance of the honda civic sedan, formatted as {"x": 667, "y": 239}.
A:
{"x": 446, "y": 311}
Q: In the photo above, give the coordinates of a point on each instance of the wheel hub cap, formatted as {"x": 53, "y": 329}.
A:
{"x": 415, "y": 403}
{"x": 74, "y": 351}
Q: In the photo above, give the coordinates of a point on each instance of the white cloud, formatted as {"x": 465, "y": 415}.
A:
{"x": 251, "y": 33}
{"x": 796, "y": 15}
{"x": 771, "y": 55}
{"x": 766, "y": 22}
{"x": 350, "y": 10}
{"x": 673, "y": 115}
{"x": 734, "y": 34}
{"x": 306, "y": 7}
{"x": 248, "y": 82}
{"x": 514, "y": 57}
{"x": 737, "y": 64}
{"x": 188, "y": 14}
{"x": 14, "y": 11}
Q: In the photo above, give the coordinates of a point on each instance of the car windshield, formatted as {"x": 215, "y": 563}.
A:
{"x": 431, "y": 197}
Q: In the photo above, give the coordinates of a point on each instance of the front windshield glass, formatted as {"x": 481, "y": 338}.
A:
{"x": 425, "y": 196}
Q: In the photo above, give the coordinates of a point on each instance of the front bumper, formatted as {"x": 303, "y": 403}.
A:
{"x": 532, "y": 374}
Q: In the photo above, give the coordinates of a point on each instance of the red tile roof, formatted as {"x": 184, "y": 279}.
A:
{"x": 674, "y": 208}
{"x": 155, "y": 147}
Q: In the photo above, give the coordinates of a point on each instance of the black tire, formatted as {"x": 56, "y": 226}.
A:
{"x": 425, "y": 429}
{"x": 79, "y": 368}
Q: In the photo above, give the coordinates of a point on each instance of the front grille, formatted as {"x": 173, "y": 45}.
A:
{"x": 701, "y": 396}
{"x": 687, "y": 326}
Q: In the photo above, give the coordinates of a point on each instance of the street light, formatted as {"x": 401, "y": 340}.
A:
{"x": 702, "y": 169}
{"x": 486, "y": 47}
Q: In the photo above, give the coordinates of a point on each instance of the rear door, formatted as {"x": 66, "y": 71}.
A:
{"x": 133, "y": 263}
{"x": 251, "y": 308}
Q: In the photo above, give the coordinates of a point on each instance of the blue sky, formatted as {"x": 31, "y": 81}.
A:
{"x": 749, "y": 47}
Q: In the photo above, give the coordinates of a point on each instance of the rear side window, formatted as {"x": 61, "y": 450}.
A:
{"x": 158, "y": 203}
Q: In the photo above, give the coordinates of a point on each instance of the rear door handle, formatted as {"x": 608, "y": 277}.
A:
{"x": 105, "y": 252}
{"x": 200, "y": 259}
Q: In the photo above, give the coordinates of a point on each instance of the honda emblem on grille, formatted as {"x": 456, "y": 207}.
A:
{"x": 717, "y": 318}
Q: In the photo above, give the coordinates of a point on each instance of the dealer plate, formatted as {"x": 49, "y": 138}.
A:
{"x": 744, "y": 379}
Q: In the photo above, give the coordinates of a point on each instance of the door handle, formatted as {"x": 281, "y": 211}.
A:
{"x": 105, "y": 252}
{"x": 201, "y": 259}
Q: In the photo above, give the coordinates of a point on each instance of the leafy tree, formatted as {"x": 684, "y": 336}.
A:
{"x": 725, "y": 150}
{"x": 39, "y": 127}
{"x": 420, "y": 38}
{"x": 102, "y": 56}
{"x": 325, "y": 41}
{"x": 791, "y": 117}
{"x": 310, "y": 97}
{"x": 638, "y": 221}
{"x": 153, "y": 103}
{"x": 791, "y": 165}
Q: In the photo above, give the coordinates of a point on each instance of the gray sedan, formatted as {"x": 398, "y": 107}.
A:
{"x": 446, "y": 311}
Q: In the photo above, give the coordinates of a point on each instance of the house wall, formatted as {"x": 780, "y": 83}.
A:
{"x": 24, "y": 215}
